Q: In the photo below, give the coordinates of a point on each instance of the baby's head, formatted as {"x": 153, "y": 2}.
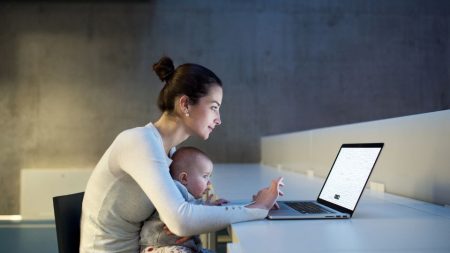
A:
{"x": 192, "y": 168}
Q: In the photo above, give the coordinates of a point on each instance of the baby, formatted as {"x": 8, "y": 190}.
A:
{"x": 191, "y": 170}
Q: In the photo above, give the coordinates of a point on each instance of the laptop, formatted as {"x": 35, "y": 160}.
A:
{"x": 342, "y": 189}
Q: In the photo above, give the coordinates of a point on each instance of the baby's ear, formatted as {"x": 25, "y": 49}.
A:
{"x": 182, "y": 177}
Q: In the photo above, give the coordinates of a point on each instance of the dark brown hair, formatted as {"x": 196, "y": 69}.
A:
{"x": 188, "y": 79}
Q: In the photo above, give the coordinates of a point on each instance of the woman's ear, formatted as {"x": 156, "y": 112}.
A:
{"x": 182, "y": 178}
{"x": 183, "y": 103}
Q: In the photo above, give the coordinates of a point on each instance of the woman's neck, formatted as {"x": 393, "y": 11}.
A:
{"x": 171, "y": 130}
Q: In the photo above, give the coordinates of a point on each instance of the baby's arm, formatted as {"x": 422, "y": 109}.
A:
{"x": 211, "y": 199}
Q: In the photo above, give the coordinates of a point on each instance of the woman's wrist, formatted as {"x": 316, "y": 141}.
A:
{"x": 254, "y": 204}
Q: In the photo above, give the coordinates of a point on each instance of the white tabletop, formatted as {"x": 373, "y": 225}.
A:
{"x": 381, "y": 223}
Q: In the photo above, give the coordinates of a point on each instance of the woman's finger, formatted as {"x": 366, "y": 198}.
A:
{"x": 281, "y": 181}
{"x": 277, "y": 183}
{"x": 276, "y": 206}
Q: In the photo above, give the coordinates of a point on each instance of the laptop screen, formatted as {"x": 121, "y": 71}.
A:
{"x": 349, "y": 174}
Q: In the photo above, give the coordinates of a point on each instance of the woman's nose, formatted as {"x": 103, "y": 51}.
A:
{"x": 217, "y": 120}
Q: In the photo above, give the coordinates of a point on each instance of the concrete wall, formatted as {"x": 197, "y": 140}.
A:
{"x": 39, "y": 186}
{"x": 414, "y": 162}
{"x": 73, "y": 74}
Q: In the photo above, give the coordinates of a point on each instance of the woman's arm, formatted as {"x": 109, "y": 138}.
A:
{"x": 140, "y": 154}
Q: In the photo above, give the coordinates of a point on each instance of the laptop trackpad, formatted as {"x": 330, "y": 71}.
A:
{"x": 284, "y": 210}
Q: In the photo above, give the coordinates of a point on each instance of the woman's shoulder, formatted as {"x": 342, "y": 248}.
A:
{"x": 138, "y": 135}
{"x": 137, "y": 132}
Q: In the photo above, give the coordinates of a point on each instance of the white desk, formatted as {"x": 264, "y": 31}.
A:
{"x": 381, "y": 223}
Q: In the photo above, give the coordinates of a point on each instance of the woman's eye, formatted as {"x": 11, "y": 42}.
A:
{"x": 215, "y": 108}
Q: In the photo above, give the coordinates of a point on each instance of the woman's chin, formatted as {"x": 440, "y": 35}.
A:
{"x": 203, "y": 136}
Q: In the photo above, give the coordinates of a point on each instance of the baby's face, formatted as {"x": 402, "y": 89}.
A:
{"x": 198, "y": 178}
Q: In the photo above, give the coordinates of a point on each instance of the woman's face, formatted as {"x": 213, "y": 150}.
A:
{"x": 205, "y": 115}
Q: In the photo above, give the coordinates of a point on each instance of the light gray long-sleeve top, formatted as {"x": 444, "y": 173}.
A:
{"x": 129, "y": 183}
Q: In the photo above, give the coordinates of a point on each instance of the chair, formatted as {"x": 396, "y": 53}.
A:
{"x": 67, "y": 210}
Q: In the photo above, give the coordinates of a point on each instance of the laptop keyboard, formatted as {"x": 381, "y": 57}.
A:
{"x": 307, "y": 207}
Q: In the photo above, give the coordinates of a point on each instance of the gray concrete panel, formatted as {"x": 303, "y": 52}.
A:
{"x": 74, "y": 74}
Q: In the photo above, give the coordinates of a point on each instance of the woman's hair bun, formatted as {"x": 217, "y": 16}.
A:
{"x": 164, "y": 68}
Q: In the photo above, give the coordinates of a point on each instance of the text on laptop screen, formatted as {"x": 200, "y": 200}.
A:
{"x": 349, "y": 175}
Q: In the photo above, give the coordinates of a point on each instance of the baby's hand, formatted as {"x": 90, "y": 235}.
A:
{"x": 220, "y": 202}
{"x": 212, "y": 200}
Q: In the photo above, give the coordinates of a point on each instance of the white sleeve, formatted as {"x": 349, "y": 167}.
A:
{"x": 142, "y": 156}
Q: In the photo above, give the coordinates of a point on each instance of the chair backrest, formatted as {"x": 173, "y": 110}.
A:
{"x": 67, "y": 210}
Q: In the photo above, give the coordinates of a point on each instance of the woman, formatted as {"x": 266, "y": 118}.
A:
{"x": 132, "y": 178}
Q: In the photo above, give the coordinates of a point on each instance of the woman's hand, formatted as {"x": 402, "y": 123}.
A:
{"x": 181, "y": 240}
{"x": 266, "y": 198}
